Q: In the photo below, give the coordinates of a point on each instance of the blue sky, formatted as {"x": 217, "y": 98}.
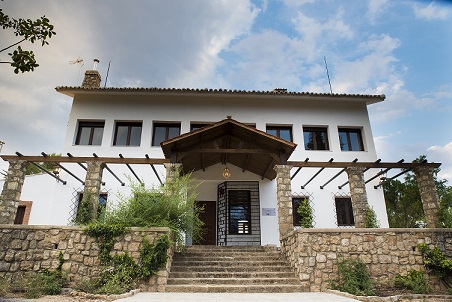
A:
{"x": 398, "y": 48}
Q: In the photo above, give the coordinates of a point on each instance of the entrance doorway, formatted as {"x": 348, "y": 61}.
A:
{"x": 209, "y": 217}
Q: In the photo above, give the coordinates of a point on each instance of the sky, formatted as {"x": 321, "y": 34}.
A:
{"x": 398, "y": 48}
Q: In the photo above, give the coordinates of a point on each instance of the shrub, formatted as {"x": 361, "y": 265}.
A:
{"x": 353, "y": 278}
{"x": 435, "y": 260}
{"x": 415, "y": 281}
{"x": 371, "y": 220}
{"x": 305, "y": 212}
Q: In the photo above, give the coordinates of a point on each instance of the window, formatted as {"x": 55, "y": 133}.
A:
{"x": 196, "y": 126}
{"x": 23, "y": 212}
{"x": 344, "y": 211}
{"x": 315, "y": 138}
{"x": 239, "y": 212}
{"x": 284, "y": 132}
{"x": 90, "y": 133}
{"x": 164, "y": 131}
{"x": 351, "y": 139}
{"x": 298, "y": 202}
{"x": 127, "y": 134}
{"x": 101, "y": 206}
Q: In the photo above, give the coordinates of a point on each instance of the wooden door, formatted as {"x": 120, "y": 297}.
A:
{"x": 209, "y": 217}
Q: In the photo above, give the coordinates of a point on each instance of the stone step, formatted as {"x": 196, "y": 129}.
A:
{"x": 208, "y": 288}
{"x": 289, "y": 274}
{"x": 267, "y": 268}
{"x": 228, "y": 263}
{"x": 232, "y": 257}
{"x": 235, "y": 281}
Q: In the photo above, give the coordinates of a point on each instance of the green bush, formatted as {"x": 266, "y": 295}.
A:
{"x": 305, "y": 212}
{"x": 119, "y": 276}
{"x": 435, "y": 260}
{"x": 353, "y": 278}
{"x": 415, "y": 281}
{"x": 371, "y": 220}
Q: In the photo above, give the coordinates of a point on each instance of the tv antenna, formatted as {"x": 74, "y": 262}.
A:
{"x": 328, "y": 74}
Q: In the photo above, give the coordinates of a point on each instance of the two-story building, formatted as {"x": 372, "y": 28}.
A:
{"x": 229, "y": 140}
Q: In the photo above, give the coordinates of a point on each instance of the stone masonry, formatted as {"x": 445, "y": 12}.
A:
{"x": 358, "y": 195}
{"x": 429, "y": 195}
{"x": 386, "y": 252}
{"x": 93, "y": 181}
{"x": 25, "y": 250}
{"x": 172, "y": 171}
{"x": 284, "y": 198}
{"x": 92, "y": 79}
{"x": 12, "y": 189}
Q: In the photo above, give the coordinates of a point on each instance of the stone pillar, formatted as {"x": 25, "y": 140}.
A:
{"x": 429, "y": 194}
{"x": 284, "y": 198}
{"x": 172, "y": 172}
{"x": 358, "y": 194}
{"x": 12, "y": 189}
{"x": 93, "y": 181}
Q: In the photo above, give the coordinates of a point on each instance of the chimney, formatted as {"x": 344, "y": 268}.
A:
{"x": 92, "y": 77}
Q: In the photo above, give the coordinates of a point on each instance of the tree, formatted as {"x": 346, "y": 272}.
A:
{"x": 28, "y": 30}
{"x": 32, "y": 169}
{"x": 404, "y": 204}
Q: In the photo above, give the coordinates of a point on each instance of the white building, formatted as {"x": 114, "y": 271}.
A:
{"x": 240, "y": 130}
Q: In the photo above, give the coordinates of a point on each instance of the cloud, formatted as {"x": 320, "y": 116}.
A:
{"x": 442, "y": 154}
{"x": 376, "y": 8}
{"x": 430, "y": 12}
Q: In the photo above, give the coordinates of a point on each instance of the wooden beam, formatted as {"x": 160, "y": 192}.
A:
{"x": 381, "y": 165}
{"x": 107, "y": 160}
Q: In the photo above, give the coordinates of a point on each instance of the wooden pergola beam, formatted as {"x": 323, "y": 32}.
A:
{"x": 380, "y": 165}
{"x": 76, "y": 159}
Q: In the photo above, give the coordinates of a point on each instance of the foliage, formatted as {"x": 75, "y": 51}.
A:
{"x": 4, "y": 286}
{"x": 353, "y": 278}
{"x": 47, "y": 282}
{"x": 435, "y": 260}
{"x": 29, "y": 30}
{"x": 84, "y": 214}
{"x": 404, "y": 205}
{"x": 415, "y": 281}
{"x": 119, "y": 276}
{"x": 371, "y": 220}
{"x": 32, "y": 169}
{"x": 153, "y": 257}
{"x": 172, "y": 205}
{"x": 305, "y": 213}
{"x": 106, "y": 236}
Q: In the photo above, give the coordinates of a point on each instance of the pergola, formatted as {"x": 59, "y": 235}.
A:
{"x": 227, "y": 141}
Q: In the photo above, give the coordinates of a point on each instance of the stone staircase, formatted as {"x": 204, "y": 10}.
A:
{"x": 239, "y": 269}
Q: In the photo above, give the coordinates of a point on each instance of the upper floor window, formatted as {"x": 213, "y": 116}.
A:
{"x": 90, "y": 133}
{"x": 351, "y": 139}
{"x": 284, "y": 132}
{"x": 127, "y": 134}
{"x": 196, "y": 126}
{"x": 315, "y": 138}
{"x": 164, "y": 131}
{"x": 344, "y": 211}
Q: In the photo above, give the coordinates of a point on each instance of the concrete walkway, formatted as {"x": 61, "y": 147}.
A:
{"x": 232, "y": 297}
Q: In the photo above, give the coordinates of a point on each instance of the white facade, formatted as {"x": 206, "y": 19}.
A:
{"x": 52, "y": 202}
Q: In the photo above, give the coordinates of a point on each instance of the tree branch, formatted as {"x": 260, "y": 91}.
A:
{"x": 13, "y": 45}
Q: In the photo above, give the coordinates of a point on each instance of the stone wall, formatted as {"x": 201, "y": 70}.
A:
{"x": 25, "y": 250}
{"x": 386, "y": 252}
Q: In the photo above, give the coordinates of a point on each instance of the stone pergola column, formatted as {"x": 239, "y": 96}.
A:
{"x": 172, "y": 172}
{"x": 12, "y": 189}
{"x": 93, "y": 181}
{"x": 284, "y": 198}
{"x": 429, "y": 194}
{"x": 358, "y": 195}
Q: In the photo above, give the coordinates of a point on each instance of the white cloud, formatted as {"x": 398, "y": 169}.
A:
{"x": 298, "y": 3}
{"x": 430, "y": 12}
{"x": 376, "y": 8}
{"x": 442, "y": 154}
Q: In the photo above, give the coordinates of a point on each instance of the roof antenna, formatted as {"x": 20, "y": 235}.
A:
{"x": 108, "y": 70}
{"x": 328, "y": 74}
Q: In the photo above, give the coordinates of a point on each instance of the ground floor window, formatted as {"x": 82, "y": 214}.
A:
{"x": 101, "y": 206}
{"x": 302, "y": 212}
{"x": 23, "y": 212}
{"x": 344, "y": 211}
{"x": 239, "y": 212}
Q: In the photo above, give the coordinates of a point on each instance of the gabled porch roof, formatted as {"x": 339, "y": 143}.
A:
{"x": 229, "y": 141}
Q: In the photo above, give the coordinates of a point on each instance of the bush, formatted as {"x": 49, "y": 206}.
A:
{"x": 371, "y": 220}
{"x": 353, "y": 278}
{"x": 435, "y": 260}
{"x": 415, "y": 281}
{"x": 305, "y": 212}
